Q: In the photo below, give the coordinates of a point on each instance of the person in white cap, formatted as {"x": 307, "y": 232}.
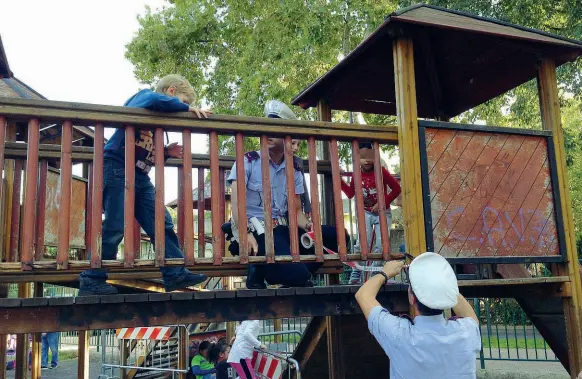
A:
{"x": 428, "y": 346}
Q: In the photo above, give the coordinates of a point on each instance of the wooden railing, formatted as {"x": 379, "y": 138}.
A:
{"x": 33, "y": 114}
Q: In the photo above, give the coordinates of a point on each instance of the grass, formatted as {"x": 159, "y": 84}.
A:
{"x": 512, "y": 343}
{"x": 65, "y": 355}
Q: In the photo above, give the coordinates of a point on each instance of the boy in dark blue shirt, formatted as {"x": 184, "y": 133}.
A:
{"x": 173, "y": 94}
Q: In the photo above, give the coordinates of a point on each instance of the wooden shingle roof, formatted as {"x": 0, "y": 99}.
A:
{"x": 461, "y": 61}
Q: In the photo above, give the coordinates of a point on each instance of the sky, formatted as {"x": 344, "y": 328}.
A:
{"x": 73, "y": 50}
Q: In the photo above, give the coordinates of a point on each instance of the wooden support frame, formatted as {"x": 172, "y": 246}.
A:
{"x": 408, "y": 142}
{"x": 551, "y": 120}
{"x": 36, "y": 341}
{"x": 324, "y": 114}
{"x": 21, "y": 369}
{"x": 83, "y": 359}
{"x": 335, "y": 351}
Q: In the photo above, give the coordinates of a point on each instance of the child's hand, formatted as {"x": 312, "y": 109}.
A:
{"x": 201, "y": 113}
{"x": 252, "y": 245}
{"x": 375, "y": 208}
{"x": 175, "y": 151}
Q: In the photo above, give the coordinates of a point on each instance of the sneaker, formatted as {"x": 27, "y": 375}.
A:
{"x": 90, "y": 287}
{"x": 256, "y": 286}
{"x": 187, "y": 280}
{"x": 54, "y": 365}
{"x": 44, "y": 367}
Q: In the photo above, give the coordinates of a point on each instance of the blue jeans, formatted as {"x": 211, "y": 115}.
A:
{"x": 114, "y": 205}
{"x": 50, "y": 341}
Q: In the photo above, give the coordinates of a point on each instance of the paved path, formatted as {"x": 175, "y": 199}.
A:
{"x": 68, "y": 369}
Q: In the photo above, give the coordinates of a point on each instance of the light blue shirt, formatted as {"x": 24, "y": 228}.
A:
{"x": 254, "y": 183}
{"x": 432, "y": 347}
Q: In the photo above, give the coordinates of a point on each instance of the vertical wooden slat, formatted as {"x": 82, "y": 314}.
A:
{"x": 188, "y": 201}
{"x": 241, "y": 201}
{"x": 408, "y": 141}
{"x": 222, "y": 197}
{"x": 88, "y": 174}
{"x": 97, "y": 205}
{"x": 215, "y": 193}
{"x": 180, "y": 208}
{"x": 359, "y": 196}
{"x": 137, "y": 238}
{"x": 15, "y": 210}
{"x": 8, "y": 197}
{"x": 291, "y": 201}
{"x": 83, "y": 360}
{"x": 30, "y": 194}
{"x": 315, "y": 213}
{"x": 160, "y": 237}
{"x": 129, "y": 215}
{"x": 21, "y": 369}
{"x": 551, "y": 120}
{"x": 2, "y": 139}
{"x": 201, "y": 231}
{"x": 381, "y": 203}
{"x": 65, "y": 196}
{"x": 40, "y": 210}
{"x": 324, "y": 114}
{"x": 183, "y": 344}
{"x": 35, "y": 365}
{"x": 337, "y": 199}
{"x": 268, "y": 199}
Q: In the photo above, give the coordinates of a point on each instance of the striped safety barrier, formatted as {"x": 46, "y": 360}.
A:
{"x": 144, "y": 333}
{"x": 267, "y": 366}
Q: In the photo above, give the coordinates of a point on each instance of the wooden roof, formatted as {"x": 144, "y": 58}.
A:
{"x": 461, "y": 61}
{"x": 4, "y": 67}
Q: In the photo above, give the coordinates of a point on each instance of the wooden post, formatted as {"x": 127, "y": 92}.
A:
{"x": 124, "y": 352}
{"x": 36, "y": 341}
{"x": 278, "y": 326}
{"x": 183, "y": 350}
{"x": 3, "y": 338}
{"x": 83, "y": 360}
{"x": 8, "y": 194}
{"x": 21, "y": 369}
{"x": 408, "y": 142}
{"x": 324, "y": 114}
{"x": 551, "y": 120}
{"x": 335, "y": 353}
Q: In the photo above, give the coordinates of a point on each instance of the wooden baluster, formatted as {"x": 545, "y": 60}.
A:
{"x": 382, "y": 206}
{"x": 87, "y": 173}
{"x": 41, "y": 210}
{"x": 359, "y": 196}
{"x": 160, "y": 208}
{"x": 15, "y": 211}
{"x": 27, "y": 247}
{"x": 201, "y": 219}
{"x": 188, "y": 206}
{"x": 222, "y": 197}
{"x": 291, "y": 201}
{"x": 337, "y": 199}
{"x": 268, "y": 199}
{"x": 315, "y": 208}
{"x": 180, "y": 208}
{"x": 65, "y": 196}
{"x": 241, "y": 201}
{"x": 97, "y": 204}
{"x": 215, "y": 196}
{"x": 129, "y": 216}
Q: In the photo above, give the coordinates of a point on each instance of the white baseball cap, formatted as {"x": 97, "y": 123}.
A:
{"x": 279, "y": 109}
{"x": 433, "y": 281}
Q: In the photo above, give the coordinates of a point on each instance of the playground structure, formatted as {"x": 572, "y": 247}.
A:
{"x": 492, "y": 200}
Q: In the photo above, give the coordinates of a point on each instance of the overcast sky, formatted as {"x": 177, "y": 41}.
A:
{"x": 73, "y": 50}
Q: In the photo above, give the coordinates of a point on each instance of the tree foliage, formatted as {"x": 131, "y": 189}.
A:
{"x": 240, "y": 53}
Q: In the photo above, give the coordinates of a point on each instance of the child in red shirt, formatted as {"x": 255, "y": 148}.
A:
{"x": 371, "y": 201}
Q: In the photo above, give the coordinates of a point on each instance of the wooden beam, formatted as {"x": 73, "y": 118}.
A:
{"x": 88, "y": 114}
{"x": 315, "y": 330}
{"x": 183, "y": 346}
{"x": 551, "y": 120}
{"x": 408, "y": 142}
{"x": 116, "y": 311}
{"x": 83, "y": 360}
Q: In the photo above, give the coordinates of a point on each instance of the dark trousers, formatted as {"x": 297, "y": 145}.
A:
{"x": 288, "y": 274}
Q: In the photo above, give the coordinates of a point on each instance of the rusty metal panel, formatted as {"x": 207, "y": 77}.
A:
{"x": 490, "y": 194}
{"x": 51, "y": 222}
